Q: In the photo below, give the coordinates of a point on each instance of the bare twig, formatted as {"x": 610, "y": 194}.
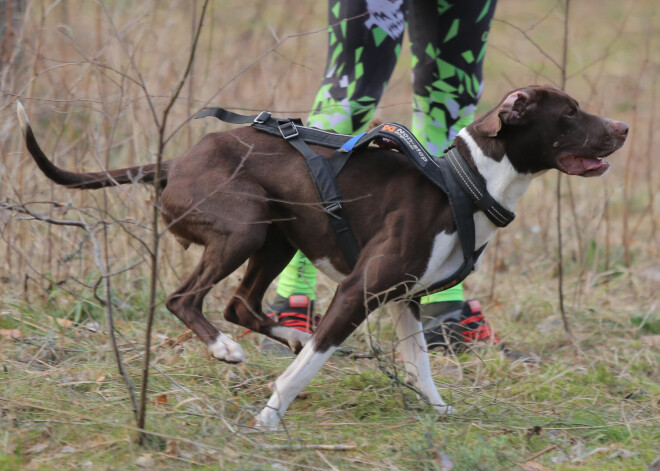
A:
{"x": 140, "y": 80}
{"x": 534, "y": 43}
{"x": 155, "y": 233}
{"x": 40, "y": 217}
{"x": 111, "y": 324}
{"x": 626, "y": 235}
{"x": 542, "y": 452}
{"x": 649, "y": 158}
{"x": 560, "y": 261}
{"x": 312, "y": 446}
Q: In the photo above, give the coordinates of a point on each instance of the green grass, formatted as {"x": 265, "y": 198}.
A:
{"x": 64, "y": 405}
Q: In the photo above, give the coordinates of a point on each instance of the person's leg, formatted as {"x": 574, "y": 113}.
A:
{"x": 299, "y": 277}
{"x": 363, "y": 46}
{"x": 448, "y": 42}
{"x": 365, "y": 38}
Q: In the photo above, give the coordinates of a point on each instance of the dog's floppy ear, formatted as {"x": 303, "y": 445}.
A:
{"x": 512, "y": 110}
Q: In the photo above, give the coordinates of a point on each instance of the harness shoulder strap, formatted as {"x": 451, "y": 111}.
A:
{"x": 328, "y": 191}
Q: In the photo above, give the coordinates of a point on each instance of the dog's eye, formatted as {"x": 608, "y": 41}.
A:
{"x": 571, "y": 113}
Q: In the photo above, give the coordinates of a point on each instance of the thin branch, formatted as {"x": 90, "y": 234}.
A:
{"x": 156, "y": 236}
{"x": 141, "y": 82}
{"x": 40, "y": 217}
{"x": 560, "y": 256}
{"x": 111, "y": 324}
{"x": 509, "y": 56}
{"x": 532, "y": 42}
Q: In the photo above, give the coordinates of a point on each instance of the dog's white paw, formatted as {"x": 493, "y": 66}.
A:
{"x": 268, "y": 419}
{"x": 444, "y": 409}
{"x": 225, "y": 349}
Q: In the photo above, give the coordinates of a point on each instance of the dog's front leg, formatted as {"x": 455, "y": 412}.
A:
{"x": 345, "y": 313}
{"x": 412, "y": 346}
{"x": 285, "y": 389}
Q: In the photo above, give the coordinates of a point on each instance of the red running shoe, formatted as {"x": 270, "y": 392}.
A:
{"x": 455, "y": 323}
{"x": 296, "y": 312}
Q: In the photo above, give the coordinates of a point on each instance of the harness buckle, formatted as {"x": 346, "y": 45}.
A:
{"x": 333, "y": 209}
{"x": 262, "y": 117}
{"x": 288, "y": 129}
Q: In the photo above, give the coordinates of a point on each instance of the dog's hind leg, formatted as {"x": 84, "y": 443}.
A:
{"x": 221, "y": 257}
{"x": 245, "y": 306}
{"x": 412, "y": 346}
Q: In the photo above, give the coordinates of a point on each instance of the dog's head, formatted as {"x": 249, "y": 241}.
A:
{"x": 541, "y": 128}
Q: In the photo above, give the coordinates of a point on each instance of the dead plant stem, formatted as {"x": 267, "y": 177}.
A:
{"x": 626, "y": 235}
{"x": 110, "y": 324}
{"x": 142, "y": 438}
{"x": 560, "y": 261}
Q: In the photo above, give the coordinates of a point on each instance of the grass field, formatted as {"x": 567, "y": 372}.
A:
{"x": 96, "y": 79}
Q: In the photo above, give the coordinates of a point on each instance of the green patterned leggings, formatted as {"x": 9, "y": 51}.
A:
{"x": 448, "y": 43}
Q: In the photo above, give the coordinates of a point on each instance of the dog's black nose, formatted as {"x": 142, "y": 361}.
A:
{"x": 619, "y": 128}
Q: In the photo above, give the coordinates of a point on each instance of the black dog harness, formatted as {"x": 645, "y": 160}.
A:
{"x": 451, "y": 174}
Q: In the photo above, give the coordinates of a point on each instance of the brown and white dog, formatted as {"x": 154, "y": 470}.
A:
{"x": 246, "y": 195}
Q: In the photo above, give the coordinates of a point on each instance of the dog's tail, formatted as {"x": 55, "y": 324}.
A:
{"x": 89, "y": 180}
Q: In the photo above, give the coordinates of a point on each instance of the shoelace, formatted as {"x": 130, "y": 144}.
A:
{"x": 477, "y": 329}
{"x": 300, "y": 321}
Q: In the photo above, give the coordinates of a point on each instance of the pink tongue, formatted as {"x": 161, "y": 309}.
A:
{"x": 578, "y": 165}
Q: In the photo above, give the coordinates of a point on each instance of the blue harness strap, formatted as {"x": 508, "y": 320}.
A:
{"x": 348, "y": 146}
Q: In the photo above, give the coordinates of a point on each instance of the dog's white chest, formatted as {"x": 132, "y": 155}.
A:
{"x": 444, "y": 259}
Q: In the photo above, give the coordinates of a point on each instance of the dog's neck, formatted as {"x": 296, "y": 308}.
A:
{"x": 503, "y": 181}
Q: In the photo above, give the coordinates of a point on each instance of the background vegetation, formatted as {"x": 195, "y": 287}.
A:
{"x": 96, "y": 78}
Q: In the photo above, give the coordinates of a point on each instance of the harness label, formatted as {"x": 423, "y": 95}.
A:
{"x": 410, "y": 141}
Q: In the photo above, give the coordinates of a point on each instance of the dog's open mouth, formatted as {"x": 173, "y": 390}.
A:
{"x": 582, "y": 165}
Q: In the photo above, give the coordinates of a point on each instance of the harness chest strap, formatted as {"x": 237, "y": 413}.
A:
{"x": 452, "y": 175}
